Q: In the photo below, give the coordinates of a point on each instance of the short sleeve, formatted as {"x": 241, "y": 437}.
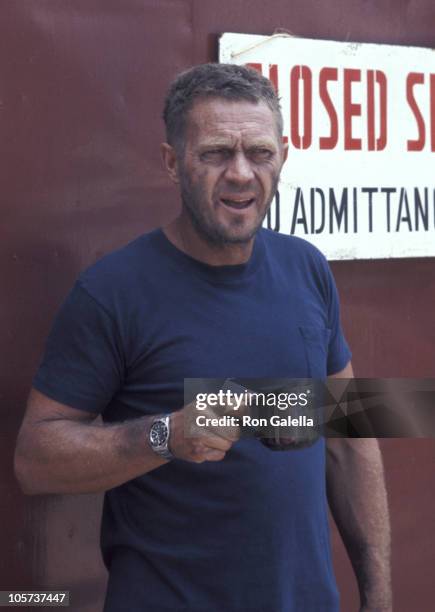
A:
{"x": 83, "y": 364}
{"x": 339, "y": 353}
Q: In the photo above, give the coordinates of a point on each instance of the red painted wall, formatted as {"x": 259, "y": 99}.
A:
{"x": 81, "y": 90}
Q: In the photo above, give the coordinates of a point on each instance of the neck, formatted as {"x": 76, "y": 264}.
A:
{"x": 185, "y": 237}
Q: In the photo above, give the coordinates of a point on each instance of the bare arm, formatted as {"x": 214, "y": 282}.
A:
{"x": 358, "y": 502}
{"x": 65, "y": 450}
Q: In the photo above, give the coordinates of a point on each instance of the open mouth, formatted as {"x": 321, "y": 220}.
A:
{"x": 238, "y": 203}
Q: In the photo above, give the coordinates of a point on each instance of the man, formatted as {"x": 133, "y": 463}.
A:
{"x": 210, "y": 523}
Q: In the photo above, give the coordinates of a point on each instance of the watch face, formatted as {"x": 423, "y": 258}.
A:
{"x": 158, "y": 433}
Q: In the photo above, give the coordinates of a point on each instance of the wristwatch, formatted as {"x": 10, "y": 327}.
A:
{"x": 160, "y": 431}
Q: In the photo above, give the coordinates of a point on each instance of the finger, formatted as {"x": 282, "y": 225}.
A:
{"x": 216, "y": 442}
{"x": 230, "y": 433}
{"x": 199, "y": 446}
{"x": 200, "y": 453}
{"x": 214, "y": 455}
{"x": 210, "y": 441}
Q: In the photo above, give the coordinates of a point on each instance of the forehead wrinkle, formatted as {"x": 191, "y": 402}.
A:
{"x": 218, "y": 140}
{"x": 221, "y": 124}
{"x": 249, "y": 136}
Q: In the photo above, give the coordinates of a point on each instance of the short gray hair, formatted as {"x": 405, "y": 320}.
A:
{"x": 225, "y": 81}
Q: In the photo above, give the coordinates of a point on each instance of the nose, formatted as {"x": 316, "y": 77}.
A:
{"x": 239, "y": 169}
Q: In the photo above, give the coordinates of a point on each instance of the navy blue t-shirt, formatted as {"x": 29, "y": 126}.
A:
{"x": 246, "y": 534}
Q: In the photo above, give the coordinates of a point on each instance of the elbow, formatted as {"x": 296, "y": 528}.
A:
{"x": 24, "y": 473}
{"x": 21, "y": 475}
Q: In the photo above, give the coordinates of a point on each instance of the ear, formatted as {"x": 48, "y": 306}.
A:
{"x": 284, "y": 149}
{"x": 170, "y": 161}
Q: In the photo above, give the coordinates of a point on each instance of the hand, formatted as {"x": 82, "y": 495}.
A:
{"x": 210, "y": 442}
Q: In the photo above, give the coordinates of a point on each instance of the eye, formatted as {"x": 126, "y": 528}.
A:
{"x": 261, "y": 154}
{"x": 215, "y": 156}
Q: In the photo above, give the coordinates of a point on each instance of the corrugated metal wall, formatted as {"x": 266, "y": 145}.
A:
{"x": 81, "y": 89}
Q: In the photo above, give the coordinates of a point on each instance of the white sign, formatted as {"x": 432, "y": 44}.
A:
{"x": 359, "y": 181}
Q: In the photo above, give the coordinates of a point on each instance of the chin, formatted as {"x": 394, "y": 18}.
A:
{"x": 238, "y": 233}
{"x": 221, "y": 233}
{"x": 235, "y": 237}
{"x": 244, "y": 236}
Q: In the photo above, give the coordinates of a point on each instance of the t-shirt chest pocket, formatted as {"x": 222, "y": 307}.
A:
{"x": 316, "y": 341}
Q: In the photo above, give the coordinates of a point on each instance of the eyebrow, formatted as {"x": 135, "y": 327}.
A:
{"x": 217, "y": 142}
{"x": 262, "y": 144}
{"x": 228, "y": 143}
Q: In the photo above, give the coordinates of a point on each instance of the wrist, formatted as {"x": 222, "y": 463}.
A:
{"x": 376, "y": 609}
{"x": 377, "y": 603}
{"x": 159, "y": 435}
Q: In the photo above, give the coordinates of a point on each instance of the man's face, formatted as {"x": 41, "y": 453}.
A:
{"x": 229, "y": 169}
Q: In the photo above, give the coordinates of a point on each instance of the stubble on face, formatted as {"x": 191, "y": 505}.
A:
{"x": 210, "y": 229}
{"x": 200, "y": 194}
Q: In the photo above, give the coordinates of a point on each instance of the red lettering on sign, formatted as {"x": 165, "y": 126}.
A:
{"x": 301, "y": 73}
{"x": 364, "y": 107}
{"x": 273, "y": 75}
{"x": 432, "y": 110}
{"x": 415, "y": 78}
{"x": 376, "y": 144}
{"x": 328, "y": 74}
{"x": 351, "y": 109}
